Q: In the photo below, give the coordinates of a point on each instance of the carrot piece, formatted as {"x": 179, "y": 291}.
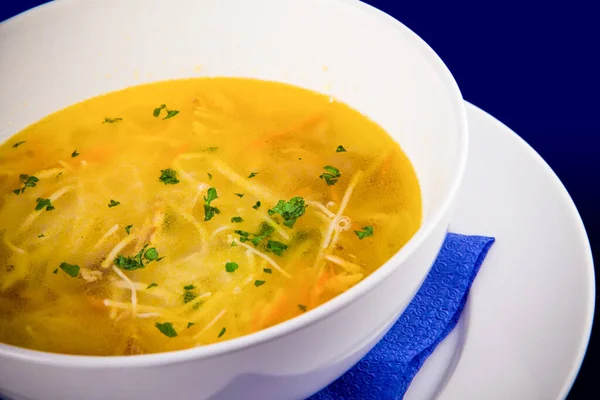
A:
{"x": 303, "y": 124}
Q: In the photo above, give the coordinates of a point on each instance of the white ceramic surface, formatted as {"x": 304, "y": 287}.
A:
{"x": 69, "y": 50}
{"x": 529, "y": 315}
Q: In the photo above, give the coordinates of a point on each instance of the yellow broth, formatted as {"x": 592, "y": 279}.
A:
{"x": 183, "y": 213}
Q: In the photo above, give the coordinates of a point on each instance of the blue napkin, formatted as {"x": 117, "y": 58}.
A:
{"x": 387, "y": 370}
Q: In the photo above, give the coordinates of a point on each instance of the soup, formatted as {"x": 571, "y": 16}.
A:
{"x": 183, "y": 213}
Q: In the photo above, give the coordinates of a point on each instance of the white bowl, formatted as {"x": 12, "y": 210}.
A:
{"x": 67, "y": 51}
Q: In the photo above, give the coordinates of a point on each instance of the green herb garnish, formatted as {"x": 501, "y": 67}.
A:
{"x": 113, "y": 203}
{"x": 256, "y": 206}
{"x": 237, "y": 219}
{"x": 331, "y": 176}
{"x": 290, "y": 211}
{"x": 111, "y": 120}
{"x": 41, "y": 235}
{"x": 55, "y": 271}
{"x": 252, "y": 174}
{"x": 258, "y": 283}
{"x": 168, "y": 176}
{"x": 151, "y": 254}
{"x": 28, "y": 181}
{"x": 223, "y": 330}
{"x": 128, "y": 229}
{"x": 74, "y": 154}
{"x": 153, "y": 284}
{"x": 267, "y": 270}
{"x": 190, "y": 324}
{"x": 209, "y": 176}
{"x": 166, "y": 329}
{"x": 244, "y": 236}
{"x": 210, "y": 211}
{"x": 276, "y": 247}
{"x": 188, "y": 296}
{"x": 231, "y": 266}
{"x": 265, "y": 231}
{"x": 43, "y": 203}
{"x": 240, "y": 195}
{"x": 170, "y": 113}
{"x": 366, "y": 231}
{"x": 189, "y": 287}
{"x": 70, "y": 269}
{"x": 18, "y": 144}
{"x": 140, "y": 260}
{"x": 302, "y": 307}
{"x": 340, "y": 149}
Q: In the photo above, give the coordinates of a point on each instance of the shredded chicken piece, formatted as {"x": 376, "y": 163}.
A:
{"x": 89, "y": 275}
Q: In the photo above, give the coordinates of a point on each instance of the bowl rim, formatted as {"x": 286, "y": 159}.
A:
{"x": 315, "y": 315}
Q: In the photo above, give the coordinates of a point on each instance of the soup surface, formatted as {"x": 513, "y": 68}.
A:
{"x": 183, "y": 213}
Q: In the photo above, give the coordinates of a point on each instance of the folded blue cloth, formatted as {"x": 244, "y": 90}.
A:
{"x": 387, "y": 370}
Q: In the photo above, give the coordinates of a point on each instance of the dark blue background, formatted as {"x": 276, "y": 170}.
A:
{"x": 532, "y": 65}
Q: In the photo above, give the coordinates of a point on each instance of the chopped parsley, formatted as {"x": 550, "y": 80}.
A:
{"x": 265, "y": 231}
{"x": 340, "y": 149}
{"x": 267, "y": 270}
{"x": 41, "y": 235}
{"x": 233, "y": 243}
{"x": 188, "y": 296}
{"x": 28, "y": 181}
{"x": 140, "y": 260}
{"x": 237, "y": 219}
{"x": 18, "y": 144}
{"x": 70, "y": 269}
{"x": 190, "y": 324}
{"x": 128, "y": 229}
{"x": 256, "y": 206}
{"x": 276, "y": 247}
{"x": 153, "y": 284}
{"x": 252, "y": 174}
{"x": 290, "y": 211}
{"x": 211, "y": 149}
{"x": 170, "y": 113}
{"x": 151, "y": 254}
{"x": 43, "y": 203}
{"x": 111, "y": 120}
{"x": 189, "y": 287}
{"x": 302, "y": 307}
{"x": 55, "y": 271}
{"x": 223, "y": 330}
{"x": 258, "y": 283}
{"x": 244, "y": 236}
{"x": 74, "y": 154}
{"x": 113, "y": 203}
{"x": 366, "y": 231}
{"x": 210, "y": 211}
{"x": 240, "y": 195}
{"x": 209, "y": 175}
{"x": 168, "y": 176}
{"x": 331, "y": 176}
{"x": 166, "y": 329}
{"x": 231, "y": 266}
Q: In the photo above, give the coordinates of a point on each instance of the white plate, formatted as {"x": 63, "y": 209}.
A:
{"x": 527, "y": 322}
